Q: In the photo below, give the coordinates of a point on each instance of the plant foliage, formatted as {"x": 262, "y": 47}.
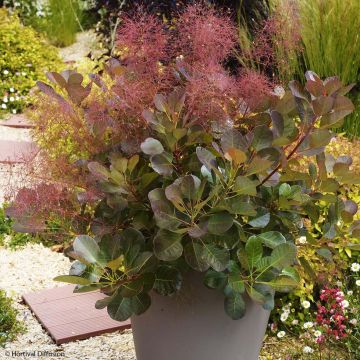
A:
{"x": 10, "y": 327}
{"x": 230, "y": 206}
{"x": 209, "y": 179}
{"x": 24, "y": 58}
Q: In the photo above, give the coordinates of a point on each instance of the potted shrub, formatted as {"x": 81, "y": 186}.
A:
{"x": 195, "y": 193}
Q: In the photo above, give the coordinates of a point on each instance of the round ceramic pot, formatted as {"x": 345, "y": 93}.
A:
{"x": 194, "y": 326}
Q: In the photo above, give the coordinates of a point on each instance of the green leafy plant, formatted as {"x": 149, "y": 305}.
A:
{"x": 186, "y": 170}
{"x": 10, "y": 327}
{"x": 230, "y": 206}
{"x": 63, "y": 21}
{"x": 15, "y": 239}
{"x": 24, "y": 58}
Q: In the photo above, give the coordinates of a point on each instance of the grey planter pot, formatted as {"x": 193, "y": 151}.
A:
{"x": 193, "y": 326}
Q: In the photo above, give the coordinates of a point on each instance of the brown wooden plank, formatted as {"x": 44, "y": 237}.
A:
{"x": 87, "y": 328}
{"x": 51, "y": 294}
{"x": 19, "y": 121}
{"x": 68, "y": 316}
{"x": 72, "y": 302}
{"x": 12, "y": 152}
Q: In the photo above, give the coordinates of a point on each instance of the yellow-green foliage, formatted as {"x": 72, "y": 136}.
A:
{"x": 345, "y": 255}
{"x": 10, "y": 327}
{"x": 25, "y": 57}
{"x": 67, "y": 135}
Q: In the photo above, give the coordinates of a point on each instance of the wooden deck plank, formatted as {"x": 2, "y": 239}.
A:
{"x": 68, "y": 317}
{"x": 14, "y": 152}
{"x": 19, "y": 121}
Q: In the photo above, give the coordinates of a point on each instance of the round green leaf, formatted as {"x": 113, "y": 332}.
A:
{"x": 254, "y": 251}
{"x": 216, "y": 257}
{"x": 167, "y": 245}
{"x": 215, "y": 279}
{"x": 151, "y": 147}
{"x": 220, "y": 222}
{"x": 87, "y": 248}
{"x": 194, "y": 255}
{"x": 140, "y": 303}
{"x": 71, "y": 279}
{"x": 167, "y": 280}
{"x": 283, "y": 255}
{"x": 119, "y": 308}
{"x": 235, "y": 306}
{"x": 271, "y": 239}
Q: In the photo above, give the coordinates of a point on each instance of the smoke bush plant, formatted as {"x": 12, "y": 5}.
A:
{"x": 186, "y": 170}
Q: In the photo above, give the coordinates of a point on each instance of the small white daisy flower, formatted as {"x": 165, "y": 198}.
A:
{"x": 353, "y": 321}
{"x": 307, "y": 350}
{"x": 12, "y": 98}
{"x": 295, "y": 322}
{"x": 14, "y": 111}
{"x": 350, "y": 293}
{"x": 12, "y": 89}
{"x": 305, "y": 304}
{"x": 3, "y": 106}
{"x": 357, "y": 282}
{"x": 302, "y": 240}
{"x": 6, "y": 72}
{"x": 284, "y": 316}
{"x": 345, "y": 304}
{"x": 308, "y": 325}
{"x": 338, "y": 284}
{"x": 23, "y": 73}
{"x": 5, "y": 99}
{"x": 317, "y": 333}
{"x": 280, "y": 334}
{"x": 355, "y": 267}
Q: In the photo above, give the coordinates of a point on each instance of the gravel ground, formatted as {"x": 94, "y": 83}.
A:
{"x": 31, "y": 269}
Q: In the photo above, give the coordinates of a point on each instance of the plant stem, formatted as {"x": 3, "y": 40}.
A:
{"x": 293, "y": 151}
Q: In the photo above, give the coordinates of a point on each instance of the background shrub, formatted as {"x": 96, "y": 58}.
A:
{"x": 24, "y": 58}
{"x": 10, "y": 327}
{"x": 108, "y": 13}
{"x": 59, "y": 20}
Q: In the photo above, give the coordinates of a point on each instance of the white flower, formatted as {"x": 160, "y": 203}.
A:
{"x": 339, "y": 293}
{"x": 357, "y": 282}
{"x": 23, "y": 73}
{"x": 345, "y": 304}
{"x": 280, "y": 334}
{"x": 338, "y": 223}
{"x": 3, "y": 106}
{"x": 353, "y": 321}
{"x": 5, "y": 99}
{"x": 317, "y": 333}
{"x": 12, "y": 89}
{"x": 302, "y": 240}
{"x": 350, "y": 293}
{"x": 308, "y": 325}
{"x": 355, "y": 267}
{"x": 284, "y": 316}
{"x": 305, "y": 304}
{"x": 307, "y": 350}
{"x": 279, "y": 91}
{"x": 11, "y": 98}
{"x": 6, "y": 72}
{"x": 295, "y": 322}
{"x": 14, "y": 111}
{"x": 338, "y": 284}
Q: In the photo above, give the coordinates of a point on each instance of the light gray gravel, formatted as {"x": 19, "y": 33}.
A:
{"x": 31, "y": 269}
